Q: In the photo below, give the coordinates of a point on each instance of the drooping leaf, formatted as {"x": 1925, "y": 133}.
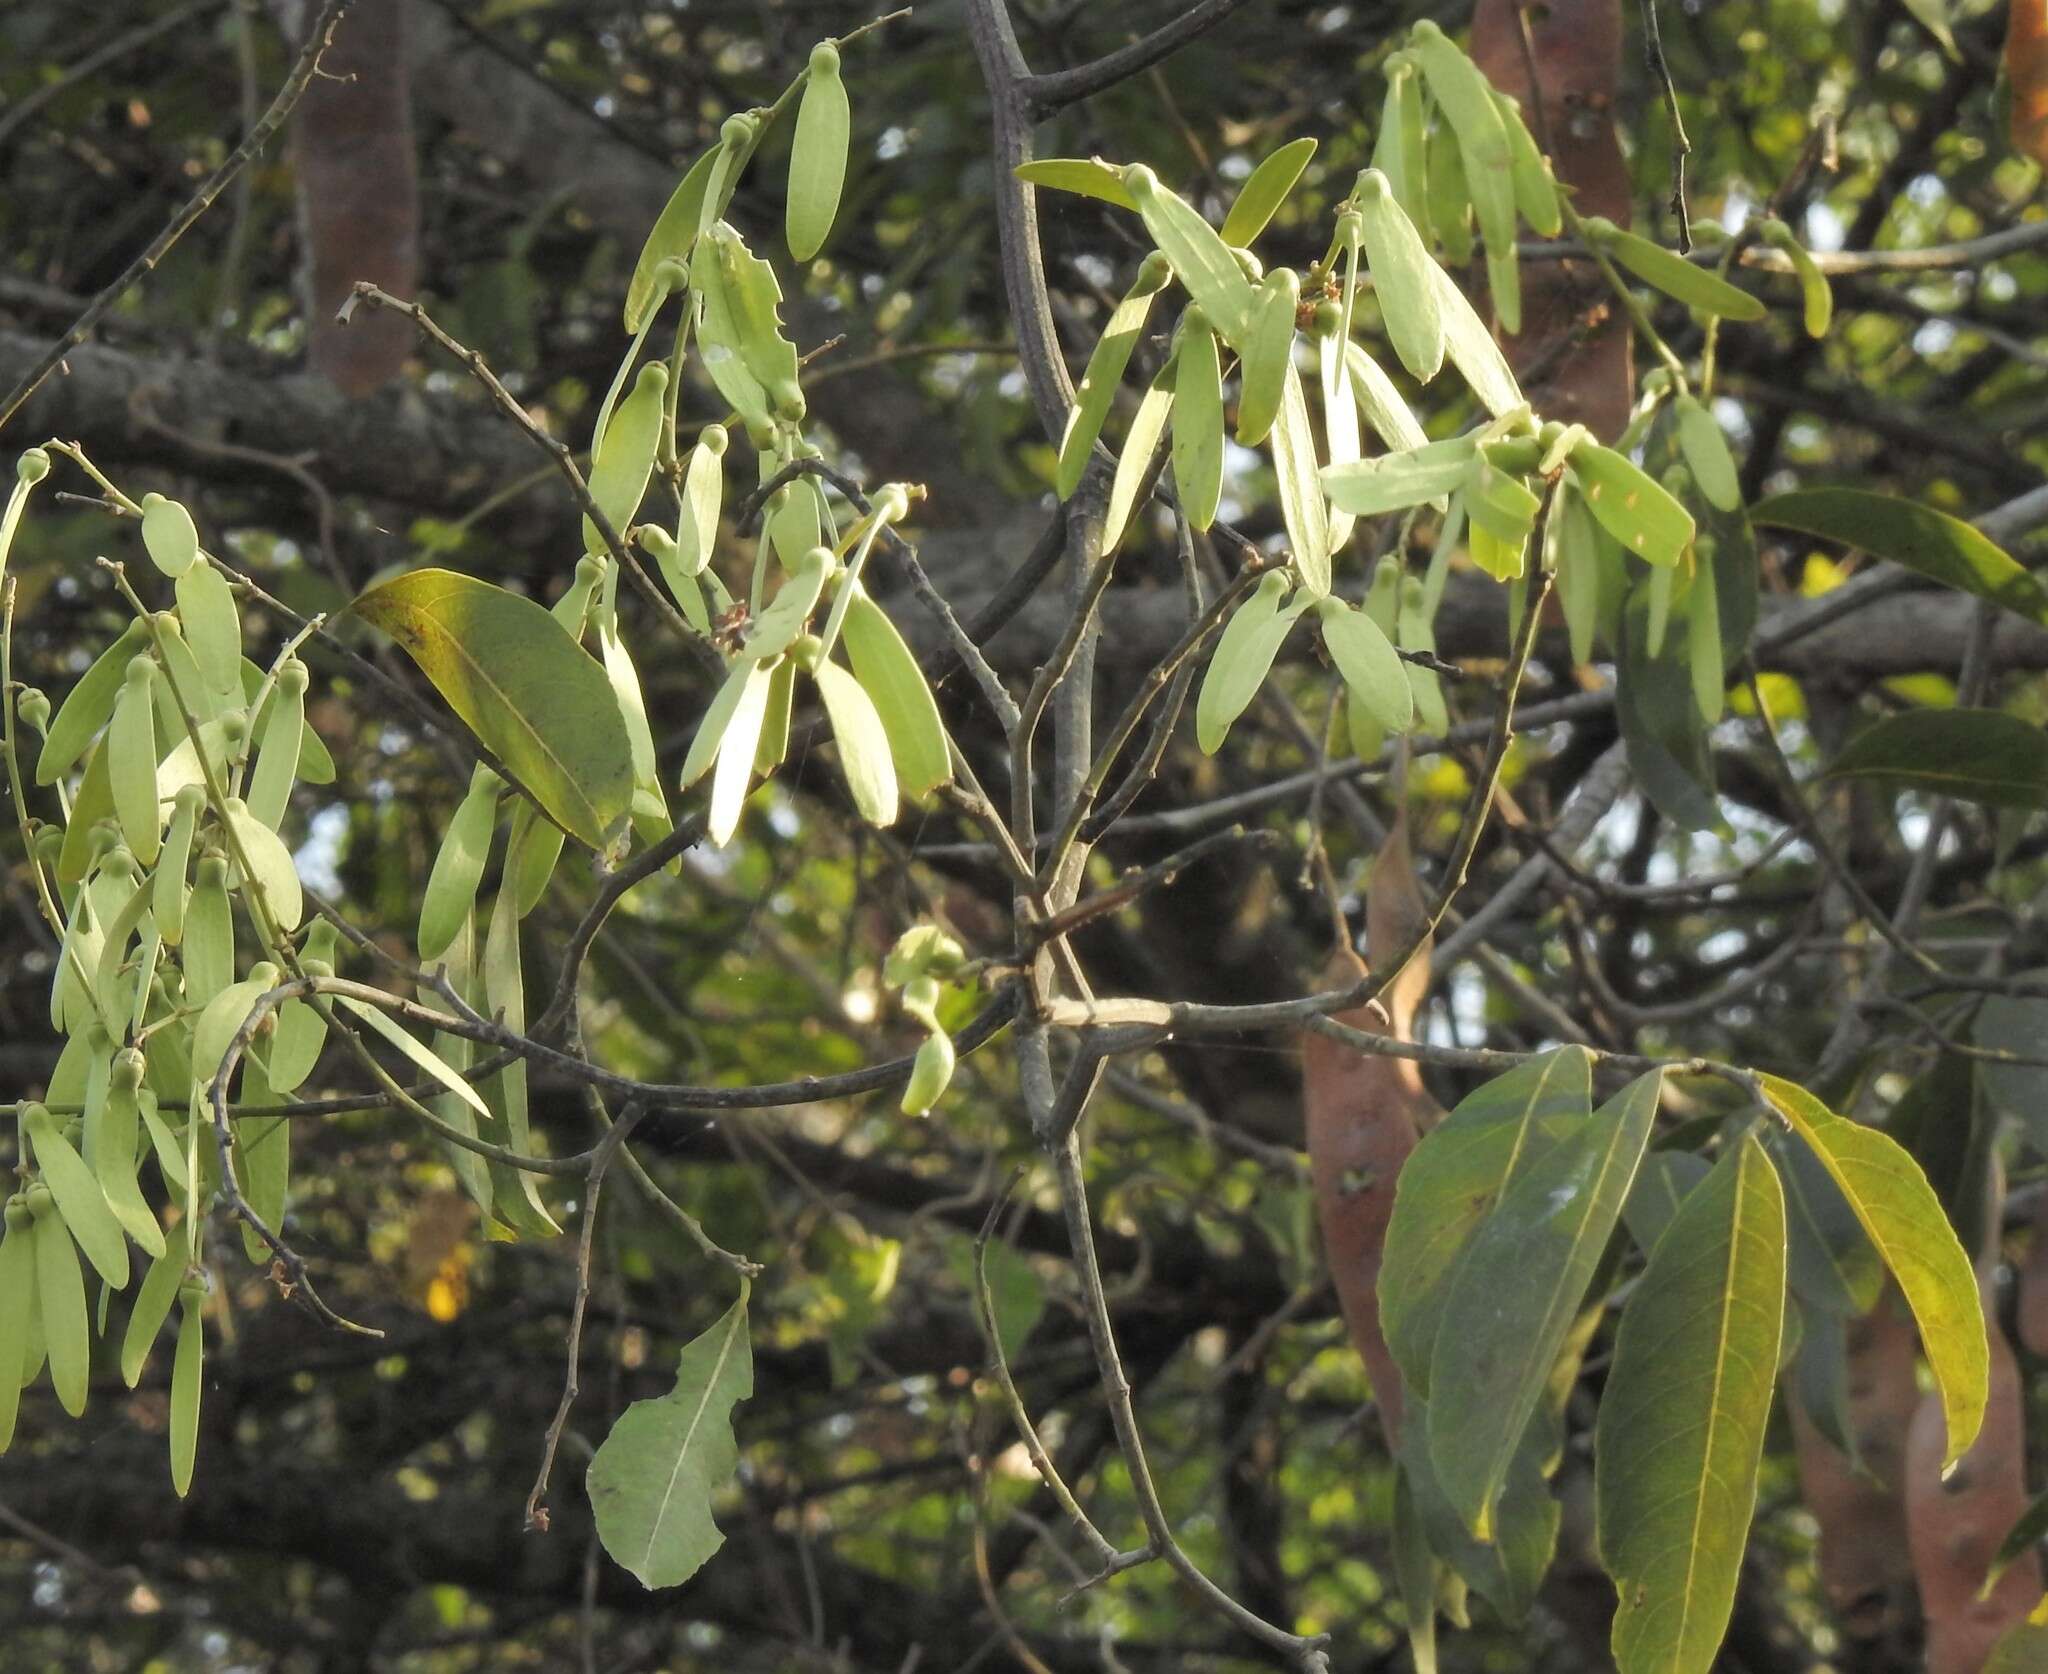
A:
{"x": 1681, "y": 1424}
{"x": 1981, "y": 755}
{"x": 1198, "y": 423}
{"x": 80, "y": 1199}
{"x": 1395, "y": 481}
{"x": 419, "y": 1054}
{"x": 450, "y": 895}
{"x": 1515, "y": 1295}
{"x": 652, "y": 1481}
{"x": 1266, "y": 354}
{"x": 624, "y": 454}
{"x": 1901, "y": 1214}
{"x": 61, "y": 1311}
{"x": 1661, "y": 725}
{"x": 186, "y": 1387}
{"x": 1243, "y": 656}
{"x": 1384, "y": 409}
{"x": 1404, "y": 276}
{"x": 538, "y": 702}
{"x": 733, "y": 776}
{"x": 1134, "y": 464}
{"x": 1830, "y": 1263}
{"x": 89, "y": 705}
{"x": 1371, "y": 668}
{"x": 674, "y": 231}
{"x": 1631, "y": 505}
{"x": 1663, "y": 1183}
{"x": 1453, "y": 1179}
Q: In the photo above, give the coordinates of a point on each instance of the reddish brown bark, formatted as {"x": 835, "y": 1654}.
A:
{"x": 358, "y": 188}
{"x": 1364, "y": 1115}
{"x": 2026, "y": 68}
{"x": 1574, "y": 354}
{"x": 1956, "y": 1526}
{"x": 1861, "y": 1513}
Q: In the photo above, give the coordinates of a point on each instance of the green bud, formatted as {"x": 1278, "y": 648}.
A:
{"x": 32, "y": 466}
{"x": 929, "y": 1075}
{"x": 34, "y": 709}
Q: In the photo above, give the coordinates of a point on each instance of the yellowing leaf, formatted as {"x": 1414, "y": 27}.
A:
{"x": 526, "y": 689}
{"x": 1904, "y": 1219}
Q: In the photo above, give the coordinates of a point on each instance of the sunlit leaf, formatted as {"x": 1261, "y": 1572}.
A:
{"x": 652, "y": 1481}
{"x": 1901, "y": 1214}
{"x": 540, "y": 704}
{"x": 1681, "y": 1424}
{"x": 817, "y": 156}
{"x": 1265, "y": 190}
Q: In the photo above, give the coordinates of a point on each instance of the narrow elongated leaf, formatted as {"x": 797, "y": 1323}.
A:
{"x": 817, "y": 156}
{"x": 131, "y": 763}
{"x": 1395, "y": 481}
{"x": 1517, "y": 1292}
{"x": 910, "y": 714}
{"x": 1663, "y": 1183}
{"x": 17, "y": 1311}
{"x": 1681, "y": 1423}
{"x": 423, "y": 1056}
{"x": 61, "y": 1311}
{"x": 1535, "y": 189}
{"x": 1917, "y": 537}
{"x": 1705, "y": 447}
{"x": 1981, "y": 755}
{"x": 1507, "y": 1569}
{"x": 1106, "y": 363}
{"x": 1087, "y": 177}
{"x": 863, "y": 744}
{"x": 1244, "y": 654}
{"x": 539, "y": 703}
{"x": 272, "y": 872}
{"x": 1200, "y": 258}
{"x": 1668, "y": 748}
{"x": 1450, "y": 1183}
{"x": 1302, "y": 506}
{"x": 1672, "y": 274}
{"x": 212, "y": 629}
{"x": 186, "y": 1383}
{"x": 459, "y": 865}
{"x": 624, "y": 455}
{"x": 1903, "y": 1217}
{"x": 1266, "y": 354}
{"x": 1469, "y": 104}
{"x": 1265, "y": 190}
{"x": 651, "y": 1482}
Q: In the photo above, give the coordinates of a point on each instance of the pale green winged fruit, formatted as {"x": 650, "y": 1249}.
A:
{"x": 1631, "y": 505}
{"x": 1106, "y": 363}
{"x": 1198, "y": 421}
{"x": 1705, "y": 448}
{"x": 60, "y": 1303}
{"x": 1815, "y": 293}
{"x": 186, "y": 1383}
{"x": 625, "y": 455}
{"x": 131, "y": 760}
{"x": 1402, "y": 273}
{"x": 817, "y": 158}
{"x": 1267, "y": 353}
{"x": 168, "y": 535}
{"x": 930, "y": 1074}
{"x": 1244, "y": 654}
{"x": 17, "y": 1309}
{"x": 888, "y": 672}
{"x": 1200, "y": 258}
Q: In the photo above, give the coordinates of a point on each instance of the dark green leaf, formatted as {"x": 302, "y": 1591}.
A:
{"x": 1916, "y": 537}
{"x": 526, "y": 689}
{"x": 1980, "y": 755}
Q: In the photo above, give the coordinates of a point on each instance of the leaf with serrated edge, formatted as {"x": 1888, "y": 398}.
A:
{"x": 1681, "y": 1424}
{"x": 652, "y": 1480}
{"x": 1510, "y": 1307}
{"x": 540, "y": 703}
{"x": 1904, "y": 1219}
